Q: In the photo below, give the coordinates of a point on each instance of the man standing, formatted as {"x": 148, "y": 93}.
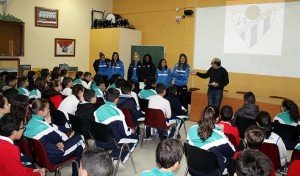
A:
{"x": 218, "y": 80}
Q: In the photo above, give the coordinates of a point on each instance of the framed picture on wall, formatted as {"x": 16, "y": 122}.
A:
{"x": 64, "y": 47}
{"x": 24, "y": 69}
{"x": 10, "y": 65}
{"x": 46, "y": 17}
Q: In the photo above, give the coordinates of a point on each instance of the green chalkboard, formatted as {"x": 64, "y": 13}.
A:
{"x": 157, "y": 52}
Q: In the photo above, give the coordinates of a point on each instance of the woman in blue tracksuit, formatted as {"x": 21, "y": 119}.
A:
{"x": 163, "y": 73}
{"x": 181, "y": 73}
{"x": 102, "y": 68}
{"x": 116, "y": 66}
{"x": 208, "y": 136}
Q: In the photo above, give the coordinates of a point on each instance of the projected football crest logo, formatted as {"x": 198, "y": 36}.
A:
{"x": 252, "y": 25}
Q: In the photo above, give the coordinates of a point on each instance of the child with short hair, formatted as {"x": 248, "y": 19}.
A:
{"x": 68, "y": 84}
{"x": 78, "y": 78}
{"x": 22, "y": 86}
{"x": 86, "y": 108}
{"x": 39, "y": 88}
{"x": 87, "y": 80}
{"x": 11, "y": 82}
{"x": 4, "y": 106}
{"x": 149, "y": 89}
{"x": 95, "y": 161}
{"x": 168, "y": 155}
{"x": 99, "y": 88}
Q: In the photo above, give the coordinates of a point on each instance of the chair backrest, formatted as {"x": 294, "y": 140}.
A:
{"x": 102, "y": 132}
{"x": 288, "y": 133}
{"x": 98, "y": 104}
{"x": 128, "y": 118}
{"x": 155, "y": 118}
{"x": 232, "y": 139}
{"x": 272, "y": 151}
{"x": 200, "y": 160}
{"x": 143, "y": 103}
{"x": 58, "y": 117}
{"x": 80, "y": 125}
{"x": 24, "y": 146}
{"x": 242, "y": 124}
{"x": 39, "y": 154}
{"x": 295, "y": 155}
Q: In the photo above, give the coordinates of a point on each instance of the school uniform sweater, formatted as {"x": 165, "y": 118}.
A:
{"x": 157, "y": 172}
{"x": 285, "y": 118}
{"x": 23, "y": 91}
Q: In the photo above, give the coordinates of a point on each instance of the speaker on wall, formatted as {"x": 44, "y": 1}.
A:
{"x": 188, "y": 12}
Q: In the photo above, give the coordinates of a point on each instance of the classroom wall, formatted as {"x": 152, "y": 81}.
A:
{"x": 74, "y": 22}
{"x": 156, "y": 19}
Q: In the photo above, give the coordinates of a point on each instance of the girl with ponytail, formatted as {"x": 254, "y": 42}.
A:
{"x": 289, "y": 114}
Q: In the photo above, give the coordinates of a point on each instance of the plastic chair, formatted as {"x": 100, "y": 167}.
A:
{"x": 295, "y": 155}
{"x": 128, "y": 118}
{"x": 103, "y": 133}
{"x": 288, "y": 133}
{"x": 98, "y": 104}
{"x": 80, "y": 126}
{"x": 232, "y": 140}
{"x": 272, "y": 151}
{"x": 200, "y": 162}
{"x": 58, "y": 117}
{"x": 242, "y": 124}
{"x": 143, "y": 103}
{"x": 155, "y": 118}
{"x": 40, "y": 157}
{"x": 24, "y": 147}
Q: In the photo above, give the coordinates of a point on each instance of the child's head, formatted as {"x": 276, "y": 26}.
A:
{"x": 78, "y": 91}
{"x": 100, "y": 83}
{"x": 20, "y": 106}
{"x": 207, "y": 122}
{"x": 132, "y": 84}
{"x": 249, "y": 98}
{"x": 23, "y": 81}
{"x": 11, "y": 80}
{"x": 291, "y": 107}
{"x": 55, "y": 85}
{"x": 40, "y": 84}
{"x": 12, "y": 126}
{"x": 126, "y": 89}
{"x": 45, "y": 73}
{"x": 112, "y": 95}
{"x": 89, "y": 96}
{"x": 4, "y": 106}
{"x": 31, "y": 74}
{"x": 79, "y": 75}
{"x": 253, "y": 162}
{"x": 151, "y": 82}
{"x": 173, "y": 90}
{"x": 115, "y": 78}
{"x": 254, "y": 137}
{"x": 95, "y": 161}
{"x": 55, "y": 75}
{"x": 120, "y": 83}
{"x": 64, "y": 72}
{"x": 263, "y": 120}
{"x": 40, "y": 106}
{"x": 226, "y": 113}
{"x": 87, "y": 76}
{"x": 160, "y": 89}
{"x": 68, "y": 82}
{"x": 169, "y": 153}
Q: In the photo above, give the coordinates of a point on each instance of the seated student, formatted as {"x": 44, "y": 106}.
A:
{"x": 128, "y": 102}
{"x": 110, "y": 115}
{"x": 208, "y": 136}
{"x": 22, "y": 86}
{"x": 133, "y": 94}
{"x": 113, "y": 81}
{"x": 99, "y": 88}
{"x": 168, "y": 155}
{"x": 87, "y": 80}
{"x": 53, "y": 94}
{"x": 31, "y": 75}
{"x": 11, "y": 129}
{"x": 78, "y": 78}
{"x": 69, "y": 104}
{"x": 4, "y": 106}
{"x": 148, "y": 90}
{"x": 226, "y": 116}
{"x": 253, "y": 162}
{"x": 11, "y": 82}
{"x": 263, "y": 120}
{"x": 95, "y": 161}
{"x": 249, "y": 109}
{"x": 55, "y": 76}
{"x": 40, "y": 85}
{"x": 57, "y": 145}
{"x": 294, "y": 168}
{"x": 2, "y": 78}
{"x": 63, "y": 74}
{"x": 67, "y": 84}
{"x": 177, "y": 108}
{"x": 86, "y": 108}
{"x": 289, "y": 115}
{"x": 119, "y": 83}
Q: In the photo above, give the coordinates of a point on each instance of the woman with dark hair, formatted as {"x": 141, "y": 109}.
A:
{"x": 135, "y": 71}
{"x": 40, "y": 85}
{"x": 208, "y": 136}
{"x": 163, "y": 73}
{"x": 116, "y": 66}
{"x": 149, "y": 68}
{"x": 289, "y": 113}
{"x": 181, "y": 73}
{"x": 263, "y": 120}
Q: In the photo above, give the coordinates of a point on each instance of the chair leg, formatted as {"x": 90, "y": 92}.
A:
{"x": 119, "y": 159}
{"x": 184, "y": 128}
{"x": 143, "y": 135}
{"x": 186, "y": 171}
{"x": 130, "y": 155}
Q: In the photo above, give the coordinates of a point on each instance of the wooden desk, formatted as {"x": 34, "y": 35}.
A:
{"x": 236, "y": 101}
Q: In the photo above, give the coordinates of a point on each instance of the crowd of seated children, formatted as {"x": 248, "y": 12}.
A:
{"x": 226, "y": 116}
{"x": 10, "y": 82}
{"x": 128, "y": 102}
{"x": 110, "y": 115}
{"x": 67, "y": 84}
{"x": 40, "y": 85}
{"x": 163, "y": 74}
{"x": 69, "y": 104}
{"x": 208, "y": 136}
{"x": 11, "y": 129}
{"x": 249, "y": 109}
{"x": 99, "y": 88}
{"x": 253, "y": 162}
{"x": 22, "y": 86}
{"x": 289, "y": 114}
{"x": 86, "y": 108}
{"x": 87, "y": 80}
{"x": 168, "y": 155}
{"x": 57, "y": 144}
{"x": 95, "y": 161}
{"x": 263, "y": 120}
{"x": 149, "y": 89}
{"x": 4, "y": 106}
{"x": 53, "y": 94}
{"x": 116, "y": 65}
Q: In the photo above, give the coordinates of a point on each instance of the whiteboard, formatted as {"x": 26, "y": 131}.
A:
{"x": 261, "y": 39}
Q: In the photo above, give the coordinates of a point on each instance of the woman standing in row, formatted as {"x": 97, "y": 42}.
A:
{"x": 116, "y": 65}
{"x": 135, "y": 71}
